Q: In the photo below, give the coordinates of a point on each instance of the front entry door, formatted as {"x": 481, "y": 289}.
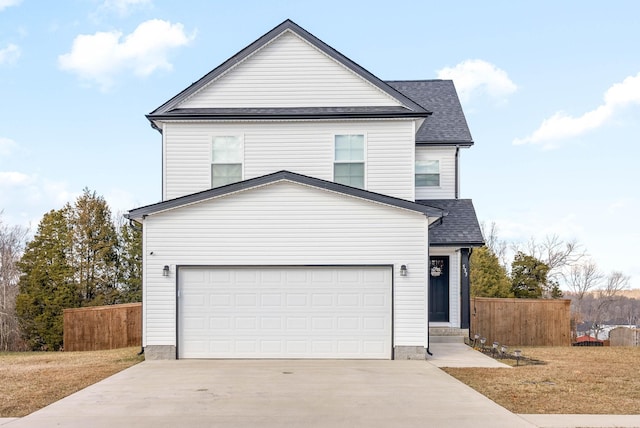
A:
{"x": 439, "y": 289}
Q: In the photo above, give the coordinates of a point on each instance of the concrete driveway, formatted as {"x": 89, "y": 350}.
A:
{"x": 278, "y": 393}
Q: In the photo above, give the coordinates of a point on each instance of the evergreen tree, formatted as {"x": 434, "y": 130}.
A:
{"x": 46, "y": 284}
{"x": 528, "y": 276}
{"x": 488, "y": 277}
{"x": 73, "y": 261}
{"x": 130, "y": 264}
{"x": 94, "y": 250}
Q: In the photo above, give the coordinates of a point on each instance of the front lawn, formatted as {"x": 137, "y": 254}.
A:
{"x": 32, "y": 380}
{"x": 573, "y": 380}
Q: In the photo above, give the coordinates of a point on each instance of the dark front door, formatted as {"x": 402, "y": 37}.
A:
{"x": 439, "y": 289}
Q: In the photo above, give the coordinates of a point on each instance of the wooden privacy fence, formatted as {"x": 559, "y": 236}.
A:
{"x": 522, "y": 322}
{"x": 103, "y": 327}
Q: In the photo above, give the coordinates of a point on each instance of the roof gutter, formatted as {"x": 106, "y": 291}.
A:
{"x": 200, "y": 116}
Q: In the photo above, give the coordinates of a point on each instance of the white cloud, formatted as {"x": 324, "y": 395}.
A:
{"x": 123, "y": 7}
{"x": 7, "y": 3}
{"x": 100, "y": 57}
{"x": 475, "y": 76}
{"x": 13, "y": 178}
{"x": 26, "y": 197}
{"x": 7, "y": 146}
{"x": 10, "y": 54}
{"x": 561, "y": 125}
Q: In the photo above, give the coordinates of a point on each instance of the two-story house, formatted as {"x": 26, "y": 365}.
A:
{"x": 309, "y": 210}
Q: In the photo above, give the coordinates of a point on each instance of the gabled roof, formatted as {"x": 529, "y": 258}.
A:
{"x": 139, "y": 213}
{"x": 447, "y": 125}
{"x": 168, "y": 109}
{"x": 459, "y": 228}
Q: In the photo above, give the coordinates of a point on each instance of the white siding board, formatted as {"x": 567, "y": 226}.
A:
{"x": 302, "y": 147}
{"x": 286, "y": 224}
{"x": 447, "y": 158}
{"x": 289, "y": 72}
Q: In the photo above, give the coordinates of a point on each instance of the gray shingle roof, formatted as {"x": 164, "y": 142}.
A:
{"x": 140, "y": 213}
{"x": 459, "y": 228}
{"x": 447, "y": 124}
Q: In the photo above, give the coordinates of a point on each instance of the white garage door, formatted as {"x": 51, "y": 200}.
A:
{"x": 305, "y": 312}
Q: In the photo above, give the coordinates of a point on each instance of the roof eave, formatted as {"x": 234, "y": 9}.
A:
{"x": 276, "y": 116}
{"x": 463, "y": 244}
{"x": 457, "y": 143}
{"x": 140, "y": 213}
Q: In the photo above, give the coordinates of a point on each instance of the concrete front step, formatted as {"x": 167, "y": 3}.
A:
{"x": 446, "y": 339}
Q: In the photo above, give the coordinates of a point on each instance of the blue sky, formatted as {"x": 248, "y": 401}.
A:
{"x": 551, "y": 91}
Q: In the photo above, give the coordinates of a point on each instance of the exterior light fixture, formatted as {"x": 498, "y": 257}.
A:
{"x": 503, "y": 350}
{"x": 482, "y": 342}
{"x": 517, "y": 353}
{"x": 494, "y": 349}
{"x": 403, "y": 270}
{"x": 165, "y": 270}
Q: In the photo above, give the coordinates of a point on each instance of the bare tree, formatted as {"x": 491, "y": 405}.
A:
{"x": 556, "y": 253}
{"x": 606, "y": 295}
{"x": 581, "y": 279}
{"x": 12, "y": 240}
{"x": 496, "y": 245}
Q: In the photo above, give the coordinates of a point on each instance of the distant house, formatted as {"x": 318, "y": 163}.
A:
{"x": 309, "y": 210}
{"x": 587, "y": 340}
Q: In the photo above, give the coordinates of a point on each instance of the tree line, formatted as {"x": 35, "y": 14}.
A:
{"x": 79, "y": 256}
{"x": 541, "y": 269}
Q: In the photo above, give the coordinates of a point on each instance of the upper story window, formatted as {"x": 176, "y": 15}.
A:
{"x": 348, "y": 166}
{"x": 226, "y": 160}
{"x": 428, "y": 173}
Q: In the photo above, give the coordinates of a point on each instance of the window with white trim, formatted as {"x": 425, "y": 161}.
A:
{"x": 428, "y": 173}
{"x": 226, "y": 160}
{"x": 348, "y": 161}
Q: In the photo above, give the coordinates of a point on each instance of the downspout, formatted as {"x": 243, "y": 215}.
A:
{"x": 426, "y": 291}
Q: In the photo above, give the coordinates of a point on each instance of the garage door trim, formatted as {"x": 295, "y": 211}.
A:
{"x": 226, "y": 266}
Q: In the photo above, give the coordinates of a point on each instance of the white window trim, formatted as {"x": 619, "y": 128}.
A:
{"x": 429, "y": 159}
{"x": 226, "y": 134}
{"x": 364, "y": 155}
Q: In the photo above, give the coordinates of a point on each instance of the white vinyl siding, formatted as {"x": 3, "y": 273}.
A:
{"x": 454, "y": 285}
{"x": 446, "y": 157}
{"x": 302, "y": 147}
{"x": 289, "y": 72}
{"x": 307, "y": 226}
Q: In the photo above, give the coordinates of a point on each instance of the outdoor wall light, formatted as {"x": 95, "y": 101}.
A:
{"x": 517, "y": 353}
{"x": 403, "y": 270}
{"x": 165, "y": 270}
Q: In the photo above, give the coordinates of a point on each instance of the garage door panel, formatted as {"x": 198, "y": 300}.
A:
{"x": 325, "y": 312}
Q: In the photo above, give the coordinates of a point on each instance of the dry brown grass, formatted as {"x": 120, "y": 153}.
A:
{"x": 32, "y": 380}
{"x": 574, "y": 380}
